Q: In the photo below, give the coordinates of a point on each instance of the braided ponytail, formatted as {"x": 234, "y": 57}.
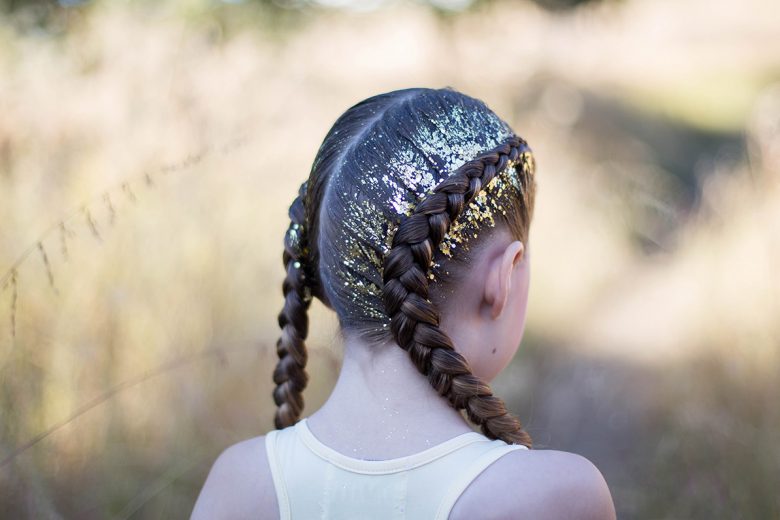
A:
{"x": 290, "y": 373}
{"x": 415, "y": 320}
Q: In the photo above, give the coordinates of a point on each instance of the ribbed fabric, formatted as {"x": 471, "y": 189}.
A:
{"x": 314, "y": 481}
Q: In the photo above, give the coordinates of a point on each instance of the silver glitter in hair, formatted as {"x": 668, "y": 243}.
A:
{"x": 394, "y": 181}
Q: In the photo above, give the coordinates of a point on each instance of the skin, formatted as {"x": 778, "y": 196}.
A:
{"x": 382, "y": 408}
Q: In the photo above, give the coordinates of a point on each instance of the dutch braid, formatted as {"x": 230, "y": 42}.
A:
{"x": 290, "y": 373}
{"x": 415, "y": 320}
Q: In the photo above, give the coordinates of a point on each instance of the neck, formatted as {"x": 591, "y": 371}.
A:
{"x": 382, "y": 404}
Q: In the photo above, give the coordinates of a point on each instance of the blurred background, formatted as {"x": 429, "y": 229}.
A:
{"x": 149, "y": 152}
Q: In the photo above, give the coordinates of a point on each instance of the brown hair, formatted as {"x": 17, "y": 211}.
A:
{"x": 398, "y": 190}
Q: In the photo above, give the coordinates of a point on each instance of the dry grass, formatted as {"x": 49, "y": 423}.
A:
{"x": 147, "y": 158}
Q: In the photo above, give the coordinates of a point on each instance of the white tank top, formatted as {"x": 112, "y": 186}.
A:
{"x": 314, "y": 481}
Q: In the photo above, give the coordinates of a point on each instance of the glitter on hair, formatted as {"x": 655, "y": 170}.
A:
{"x": 364, "y": 205}
{"x": 382, "y": 158}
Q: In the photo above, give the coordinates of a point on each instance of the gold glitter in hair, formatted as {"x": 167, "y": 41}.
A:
{"x": 394, "y": 181}
{"x": 482, "y": 211}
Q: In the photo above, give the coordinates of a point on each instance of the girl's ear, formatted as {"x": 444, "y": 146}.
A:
{"x": 500, "y": 277}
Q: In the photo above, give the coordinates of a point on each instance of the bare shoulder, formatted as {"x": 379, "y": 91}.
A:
{"x": 239, "y": 484}
{"x": 547, "y": 484}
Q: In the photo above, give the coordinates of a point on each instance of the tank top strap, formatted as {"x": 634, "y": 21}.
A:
{"x": 272, "y": 449}
{"x": 459, "y": 484}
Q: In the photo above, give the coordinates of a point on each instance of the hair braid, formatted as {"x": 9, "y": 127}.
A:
{"x": 290, "y": 373}
{"x": 415, "y": 320}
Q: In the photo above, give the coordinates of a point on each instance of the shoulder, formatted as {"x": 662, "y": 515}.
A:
{"x": 239, "y": 484}
{"x": 547, "y": 484}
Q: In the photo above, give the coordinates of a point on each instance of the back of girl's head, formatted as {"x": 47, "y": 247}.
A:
{"x": 405, "y": 186}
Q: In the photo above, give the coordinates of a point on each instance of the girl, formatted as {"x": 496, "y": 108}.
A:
{"x": 413, "y": 227}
